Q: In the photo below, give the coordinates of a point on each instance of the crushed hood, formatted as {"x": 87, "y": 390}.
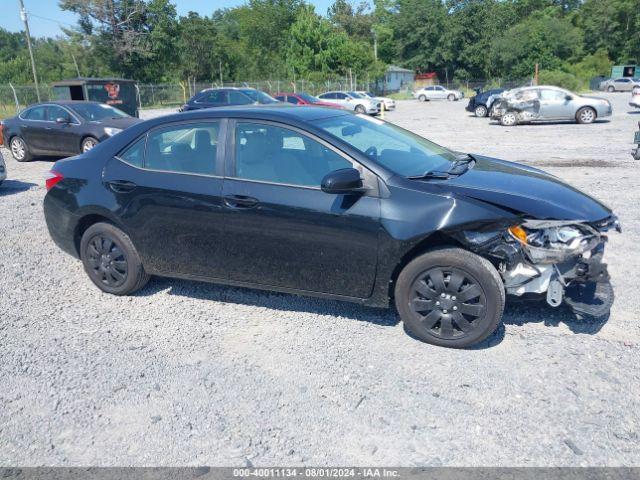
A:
{"x": 525, "y": 190}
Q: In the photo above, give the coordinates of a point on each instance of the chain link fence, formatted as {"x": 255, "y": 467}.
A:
{"x": 14, "y": 98}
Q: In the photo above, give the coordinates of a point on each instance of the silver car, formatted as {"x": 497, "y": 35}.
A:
{"x": 437, "y": 92}
{"x": 352, "y": 101}
{"x": 545, "y": 103}
{"x": 620, "y": 84}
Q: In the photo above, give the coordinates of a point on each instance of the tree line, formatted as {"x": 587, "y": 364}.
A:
{"x": 571, "y": 40}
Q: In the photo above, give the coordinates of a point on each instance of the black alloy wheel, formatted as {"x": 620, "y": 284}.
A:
{"x": 450, "y": 297}
{"x": 448, "y": 302}
{"x": 107, "y": 260}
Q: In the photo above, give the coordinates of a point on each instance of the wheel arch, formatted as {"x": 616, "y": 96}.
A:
{"x": 431, "y": 242}
{"x": 89, "y": 218}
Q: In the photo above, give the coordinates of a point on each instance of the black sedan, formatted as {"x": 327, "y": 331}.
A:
{"x": 480, "y": 104}
{"x": 62, "y": 128}
{"x": 316, "y": 201}
{"x": 226, "y": 97}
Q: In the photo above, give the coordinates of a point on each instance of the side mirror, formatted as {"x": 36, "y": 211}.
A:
{"x": 568, "y": 98}
{"x": 63, "y": 120}
{"x": 345, "y": 180}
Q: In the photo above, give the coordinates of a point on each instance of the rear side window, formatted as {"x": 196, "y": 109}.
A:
{"x": 35, "y": 113}
{"x": 218, "y": 97}
{"x": 190, "y": 148}
{"x": 293, "y": 100}
{"x": 134, "y": 155}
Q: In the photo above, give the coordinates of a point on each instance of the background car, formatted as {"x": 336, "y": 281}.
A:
{"x": 480, "y": 104}
{"x": 228, "y": 96}
{"x": 352, "y": 101}
{"x": 3, "y": 167}
{"x": 437, "y": 92}
{"x": 620, "y": 84}
{"x": 389, "y": 103}
{"x": 635, "y": 97}
{"x": 301, "y": 98}
{"x": 62, "y": 128}
{"x": 546, "y": 103}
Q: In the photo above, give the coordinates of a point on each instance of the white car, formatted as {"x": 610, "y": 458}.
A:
{"x": 389, "y": 103}
{"x": 635, "y": 98}
{"x": 625, "y": 84}
{"x": 3, "y": 169}
{"x": 437, "y": 92}
{"x": 352, "y": 101}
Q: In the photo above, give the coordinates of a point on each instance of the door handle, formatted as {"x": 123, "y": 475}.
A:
{"x": 121, "y": 186}
{"x": 240, "y": 201}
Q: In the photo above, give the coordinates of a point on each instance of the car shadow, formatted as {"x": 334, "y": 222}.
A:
{"x": 268, "y": 299}
{"x": 11, "y": 187}
{"x": 517, "y": 312}
{"x": 634, "y": 112}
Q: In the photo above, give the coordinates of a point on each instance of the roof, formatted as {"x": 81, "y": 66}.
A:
{"x": 66, "y": 102}
{"x": 394, "y": 68}
{"x": 282, "y": 111}
{"x": 82, "y": 80}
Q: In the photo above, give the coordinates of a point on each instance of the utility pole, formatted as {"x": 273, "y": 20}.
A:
{"x": 375, "y": 44}
{"x": 23, "y": 16}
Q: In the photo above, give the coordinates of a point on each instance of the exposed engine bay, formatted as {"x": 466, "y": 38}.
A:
{"x": 562, "y": 260}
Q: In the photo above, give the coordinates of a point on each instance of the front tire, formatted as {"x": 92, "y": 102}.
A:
{"x": 586, "y": 115}
{"x": 480, "y": 111}
{"x": 360, "y": 109}
{"x": 450, "y": 297}
{"x": 88, "y": 143}
{"x": 509, "y": 119}
{"x": 451, "y": 97}
{"x": 111, "y": 261}
{"x": 19, "y": 150}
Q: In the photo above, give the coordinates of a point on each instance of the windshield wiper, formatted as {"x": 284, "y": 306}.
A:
{"x": 458, "y": 167}
{"x": 431, "y": 174}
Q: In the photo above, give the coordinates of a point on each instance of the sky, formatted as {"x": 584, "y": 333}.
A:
{"x": 45, "y": 17}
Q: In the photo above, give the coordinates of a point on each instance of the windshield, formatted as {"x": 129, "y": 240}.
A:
{"x": 98, "y": 111}
{"x": 399, "y": 150}
{"x": 308, "y": 98}
{"x": 258, "y": 96}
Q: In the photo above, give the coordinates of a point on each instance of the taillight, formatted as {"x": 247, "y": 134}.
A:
{"x": 52, "y": 179}
{"x": 1, "y": 134}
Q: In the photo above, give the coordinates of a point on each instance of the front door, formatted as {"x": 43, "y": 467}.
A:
{"x": 64, "y": 138}
{"x": 281, "y": 229}
{"x": 167, "y": 188}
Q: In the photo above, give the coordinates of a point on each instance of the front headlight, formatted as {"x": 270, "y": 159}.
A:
{"x": 111, "y": 131}
{"x": 552, "y": 242}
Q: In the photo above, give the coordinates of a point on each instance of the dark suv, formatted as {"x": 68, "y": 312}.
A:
{"x": 316, "y": 201}
{"x": 480, "y": 104}
{"x": 225, "y": 97}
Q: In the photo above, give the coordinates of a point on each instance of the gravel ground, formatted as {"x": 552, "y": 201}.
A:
{"x": 186, "y": 373}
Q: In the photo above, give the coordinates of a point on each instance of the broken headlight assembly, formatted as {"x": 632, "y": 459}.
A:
{"x": 554, "y": 241}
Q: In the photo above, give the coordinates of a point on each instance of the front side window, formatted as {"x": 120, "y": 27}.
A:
{"x": 215, "y": 97}
{"x": 397, "y": 149}
{"x": 54, "y": 113}
{"x": 552, "y": 95}
{"x": 190, "y": 148}
{"x": 237, "y": 98}
{"x": 278, "y": 155}
{"x": 293, "y": 100}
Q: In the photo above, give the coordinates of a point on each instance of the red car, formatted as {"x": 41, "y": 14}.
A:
{"x": 302, "y": 98}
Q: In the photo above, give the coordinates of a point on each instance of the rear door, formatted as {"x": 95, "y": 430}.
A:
{"x": 281, "y": 229}
{"x": 34, "y": 127}
{"x": 167, "y": 187}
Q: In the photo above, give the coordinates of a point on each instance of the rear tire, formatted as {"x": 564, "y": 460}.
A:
{"x": 480, "y": 111}
{"x": 450, "y": 297}
{"x": 611, "y": 88}
{"x": 586, "y": 115}
{"x": 88, "y": 143}
{"x": 509, "y": 119}
{"x": 19, "y": 150}
{"x": 111, "y": 261}
{"x": 422, "y": 98}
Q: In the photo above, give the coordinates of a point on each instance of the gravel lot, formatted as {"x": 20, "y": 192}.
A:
{"x": 186, "y": 373}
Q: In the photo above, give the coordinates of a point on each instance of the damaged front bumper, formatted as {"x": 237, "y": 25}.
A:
{"x": 561, "y": 260}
